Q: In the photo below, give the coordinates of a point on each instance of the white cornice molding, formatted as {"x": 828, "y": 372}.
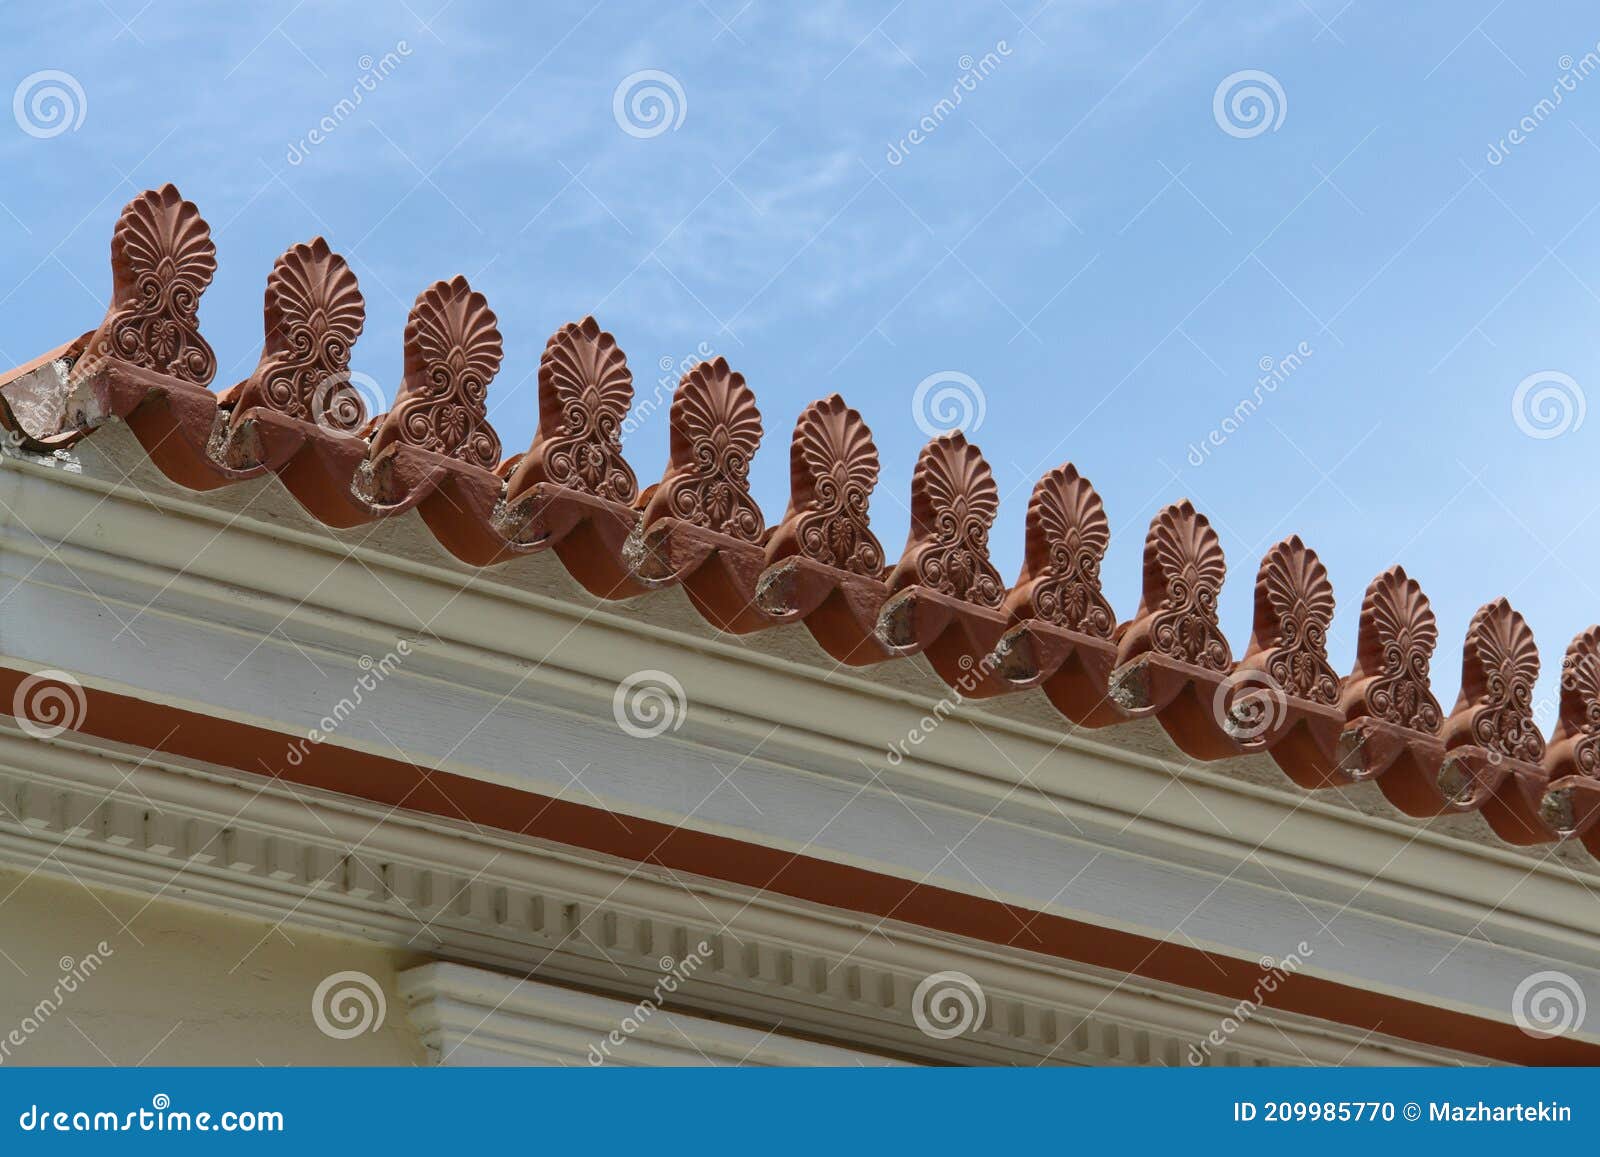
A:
{"x": 471, "y": 1016}
{"x": 208, "y": 563}
{"x": 245, "y": 581}
{"x": 69, "y": 808}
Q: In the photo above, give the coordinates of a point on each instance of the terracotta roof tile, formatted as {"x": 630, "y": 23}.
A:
{"x": 699, "y": 528}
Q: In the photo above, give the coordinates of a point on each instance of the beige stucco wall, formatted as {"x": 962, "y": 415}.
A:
{"x": 181, "y": 985}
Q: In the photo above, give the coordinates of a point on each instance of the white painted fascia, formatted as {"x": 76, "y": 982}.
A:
{"x": 110, "y": 818}
{"x": 231, "y": 599}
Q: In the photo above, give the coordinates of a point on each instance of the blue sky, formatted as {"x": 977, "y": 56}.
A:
{"x": 1081, "y": 236}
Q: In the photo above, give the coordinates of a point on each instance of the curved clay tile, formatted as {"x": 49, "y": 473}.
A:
{"x": 314, "y": 313}
{"x": 1294, "y": 609}
{"x": 1394, "y": 646}
{"x": 833, "y": 467}
{"x": 585, "y": 391}
{"x": 1065, "y": 539}
{"x": 452, "y": 353}
{"x": 954, "y": 501}
{"x": 162, "y": 259}
{"x": 715, "y": 430}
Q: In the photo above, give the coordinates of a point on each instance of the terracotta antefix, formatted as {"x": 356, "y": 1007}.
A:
{"x": 1172, "y": 658}
{"x": 1284, "y": 695}
{"x": 947, "y": 593}
{"x": 1491, "y": 734}
{"x": 298, "y": 416}
{"x": 700, "y": 525}
{"x": 453, "y": 352}
{"x": 585, "y": 392}
{"x": 1060, "y": 639}
{"x": 573, "y": 490}
{"x": 314, "y": 313}
{"x": 162, "y": 259}
{"x": 1392, "y": 720}
{"x": 825, "y": 567}
{"x": 1571, "y": 802}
